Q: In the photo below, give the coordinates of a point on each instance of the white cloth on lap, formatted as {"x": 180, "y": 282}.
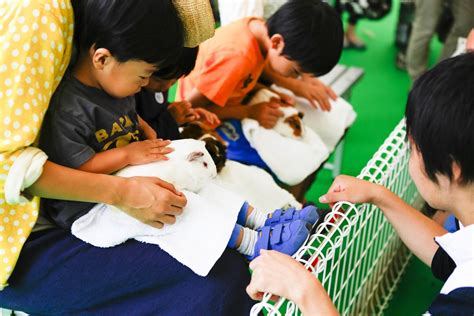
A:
{"x": 256, "y": 186}
{"x": 200, "y": 234}
{"x": 197, "y": 239}
{"x": 291, "y": 160}
{"x": 330, "y": 126}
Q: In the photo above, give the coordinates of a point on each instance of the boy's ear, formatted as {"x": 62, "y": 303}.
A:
{"x": 456, "y": 172}
{"x": 100, "y": 57}
{"x": 277, "y": 43}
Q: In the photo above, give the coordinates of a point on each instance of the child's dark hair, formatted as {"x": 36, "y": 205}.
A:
{"x": 313, "y": 34}
{"x": 182, "y": 67}
{"x": 147, "y": 30}
{"x": 440, "y": 117}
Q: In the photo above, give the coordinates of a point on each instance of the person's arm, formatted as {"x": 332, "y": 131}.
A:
{"x": 308, "y": 87}
{"x": 136, "y": 153}
{"x": 281, "y": 275}
{"x": 147, "y": 130}
{"x": 150, "y": 200}
{"x": 415, "y": 229}
{"x": 182, "y": 112}
{"x": 266, "y": 113}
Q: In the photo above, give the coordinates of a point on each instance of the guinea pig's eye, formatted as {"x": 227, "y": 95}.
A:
{"x": 205, "y": 164}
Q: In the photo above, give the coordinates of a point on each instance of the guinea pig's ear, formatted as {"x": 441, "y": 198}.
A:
{"x": 301, "y": 115}
{"x": 195, "y": 155}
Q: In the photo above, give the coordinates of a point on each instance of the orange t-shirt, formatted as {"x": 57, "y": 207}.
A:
{"x": 227, "y": 67}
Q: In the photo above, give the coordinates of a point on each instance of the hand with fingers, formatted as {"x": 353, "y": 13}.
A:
{"x": 354, "y": 190}
{"x": 182, "y": 112}
{"x": 266, "y": 113}
{"x": 316, "y": 92}
{"x": 285, "y": 99}
{"x": 207, "y": 117}
{"x": 151, "y": 200}
{"x": 283, "y": 276}
{"x": 147, "y": 151}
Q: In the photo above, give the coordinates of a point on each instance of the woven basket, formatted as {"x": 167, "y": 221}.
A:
{"x": 197, "y": 19}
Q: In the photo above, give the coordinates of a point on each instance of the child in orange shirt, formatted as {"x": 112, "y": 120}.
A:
{"x": 302, "y": 37}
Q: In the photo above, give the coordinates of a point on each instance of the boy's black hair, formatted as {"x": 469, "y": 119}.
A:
{"x": 313, "y": 34}
{"x": 182, "y": 67}
{"x": 147, "y": 30}
{"x": 440, "y": 117}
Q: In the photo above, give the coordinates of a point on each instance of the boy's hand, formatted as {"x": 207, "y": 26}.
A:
{"x": 286, "y": 100}
{"x": 147, "y": 151}
{"x": 151, "y": 200}
{"x": 182, "y": 112}
{"x": 316, "y": 92}
{"x": 207, "y": 117}
{"x": 266, "y": 113}
{"x": 350, "y": 189}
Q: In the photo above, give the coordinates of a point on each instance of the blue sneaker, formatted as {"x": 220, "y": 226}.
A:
{"x": 286, "y": 238}
{"x": 309, "y": 214}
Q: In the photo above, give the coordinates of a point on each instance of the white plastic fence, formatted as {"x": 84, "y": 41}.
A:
{"x": 355, "y": 253}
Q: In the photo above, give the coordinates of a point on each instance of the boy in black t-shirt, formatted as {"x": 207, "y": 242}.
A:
{"x": 91, "y": 123}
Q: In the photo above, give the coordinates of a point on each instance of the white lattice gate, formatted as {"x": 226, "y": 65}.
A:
{"x": 355, "y": 253}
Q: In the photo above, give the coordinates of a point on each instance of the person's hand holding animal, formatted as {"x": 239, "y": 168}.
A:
{"x": 182, "y": 112}
{"x": 208, "y": 118}
{"x": 285, "y": 99}
{"x": 266, "y": 113}
{"x": 146, "y": 151}
{"x": 151, "y": 200}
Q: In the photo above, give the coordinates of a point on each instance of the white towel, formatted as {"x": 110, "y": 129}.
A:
{"x": 197, "y": 239}
{"x": 200, "y": 234}
{"x": 292, "y": 160}
{"x": 330, "y": 126}
{"x": 256, "y": 186}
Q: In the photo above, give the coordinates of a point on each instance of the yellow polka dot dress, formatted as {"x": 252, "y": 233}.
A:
{"x": 35, "y": 49}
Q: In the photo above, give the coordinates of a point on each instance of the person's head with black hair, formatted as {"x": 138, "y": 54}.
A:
{"x": 306, "y": 37}
{"x": 440, "y": 124}
{"x": 122, "y": 43}
{"x": 164, "y": 78}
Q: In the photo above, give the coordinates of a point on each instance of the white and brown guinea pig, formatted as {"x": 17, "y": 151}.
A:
{"x": 189, "y": 166}
{"x": 291, "y": 124}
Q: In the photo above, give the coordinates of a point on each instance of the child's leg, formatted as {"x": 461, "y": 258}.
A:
{"x": 254, "y": 219}
{"x": 250, "y": 217}
{"x": 243, "y": 239}
{"x": 285, "y": 238}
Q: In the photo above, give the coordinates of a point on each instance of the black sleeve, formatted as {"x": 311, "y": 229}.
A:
{"x": 459, "y": 302}
{"x": 65, "y": 139}
{"x": 442, "y": 265}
